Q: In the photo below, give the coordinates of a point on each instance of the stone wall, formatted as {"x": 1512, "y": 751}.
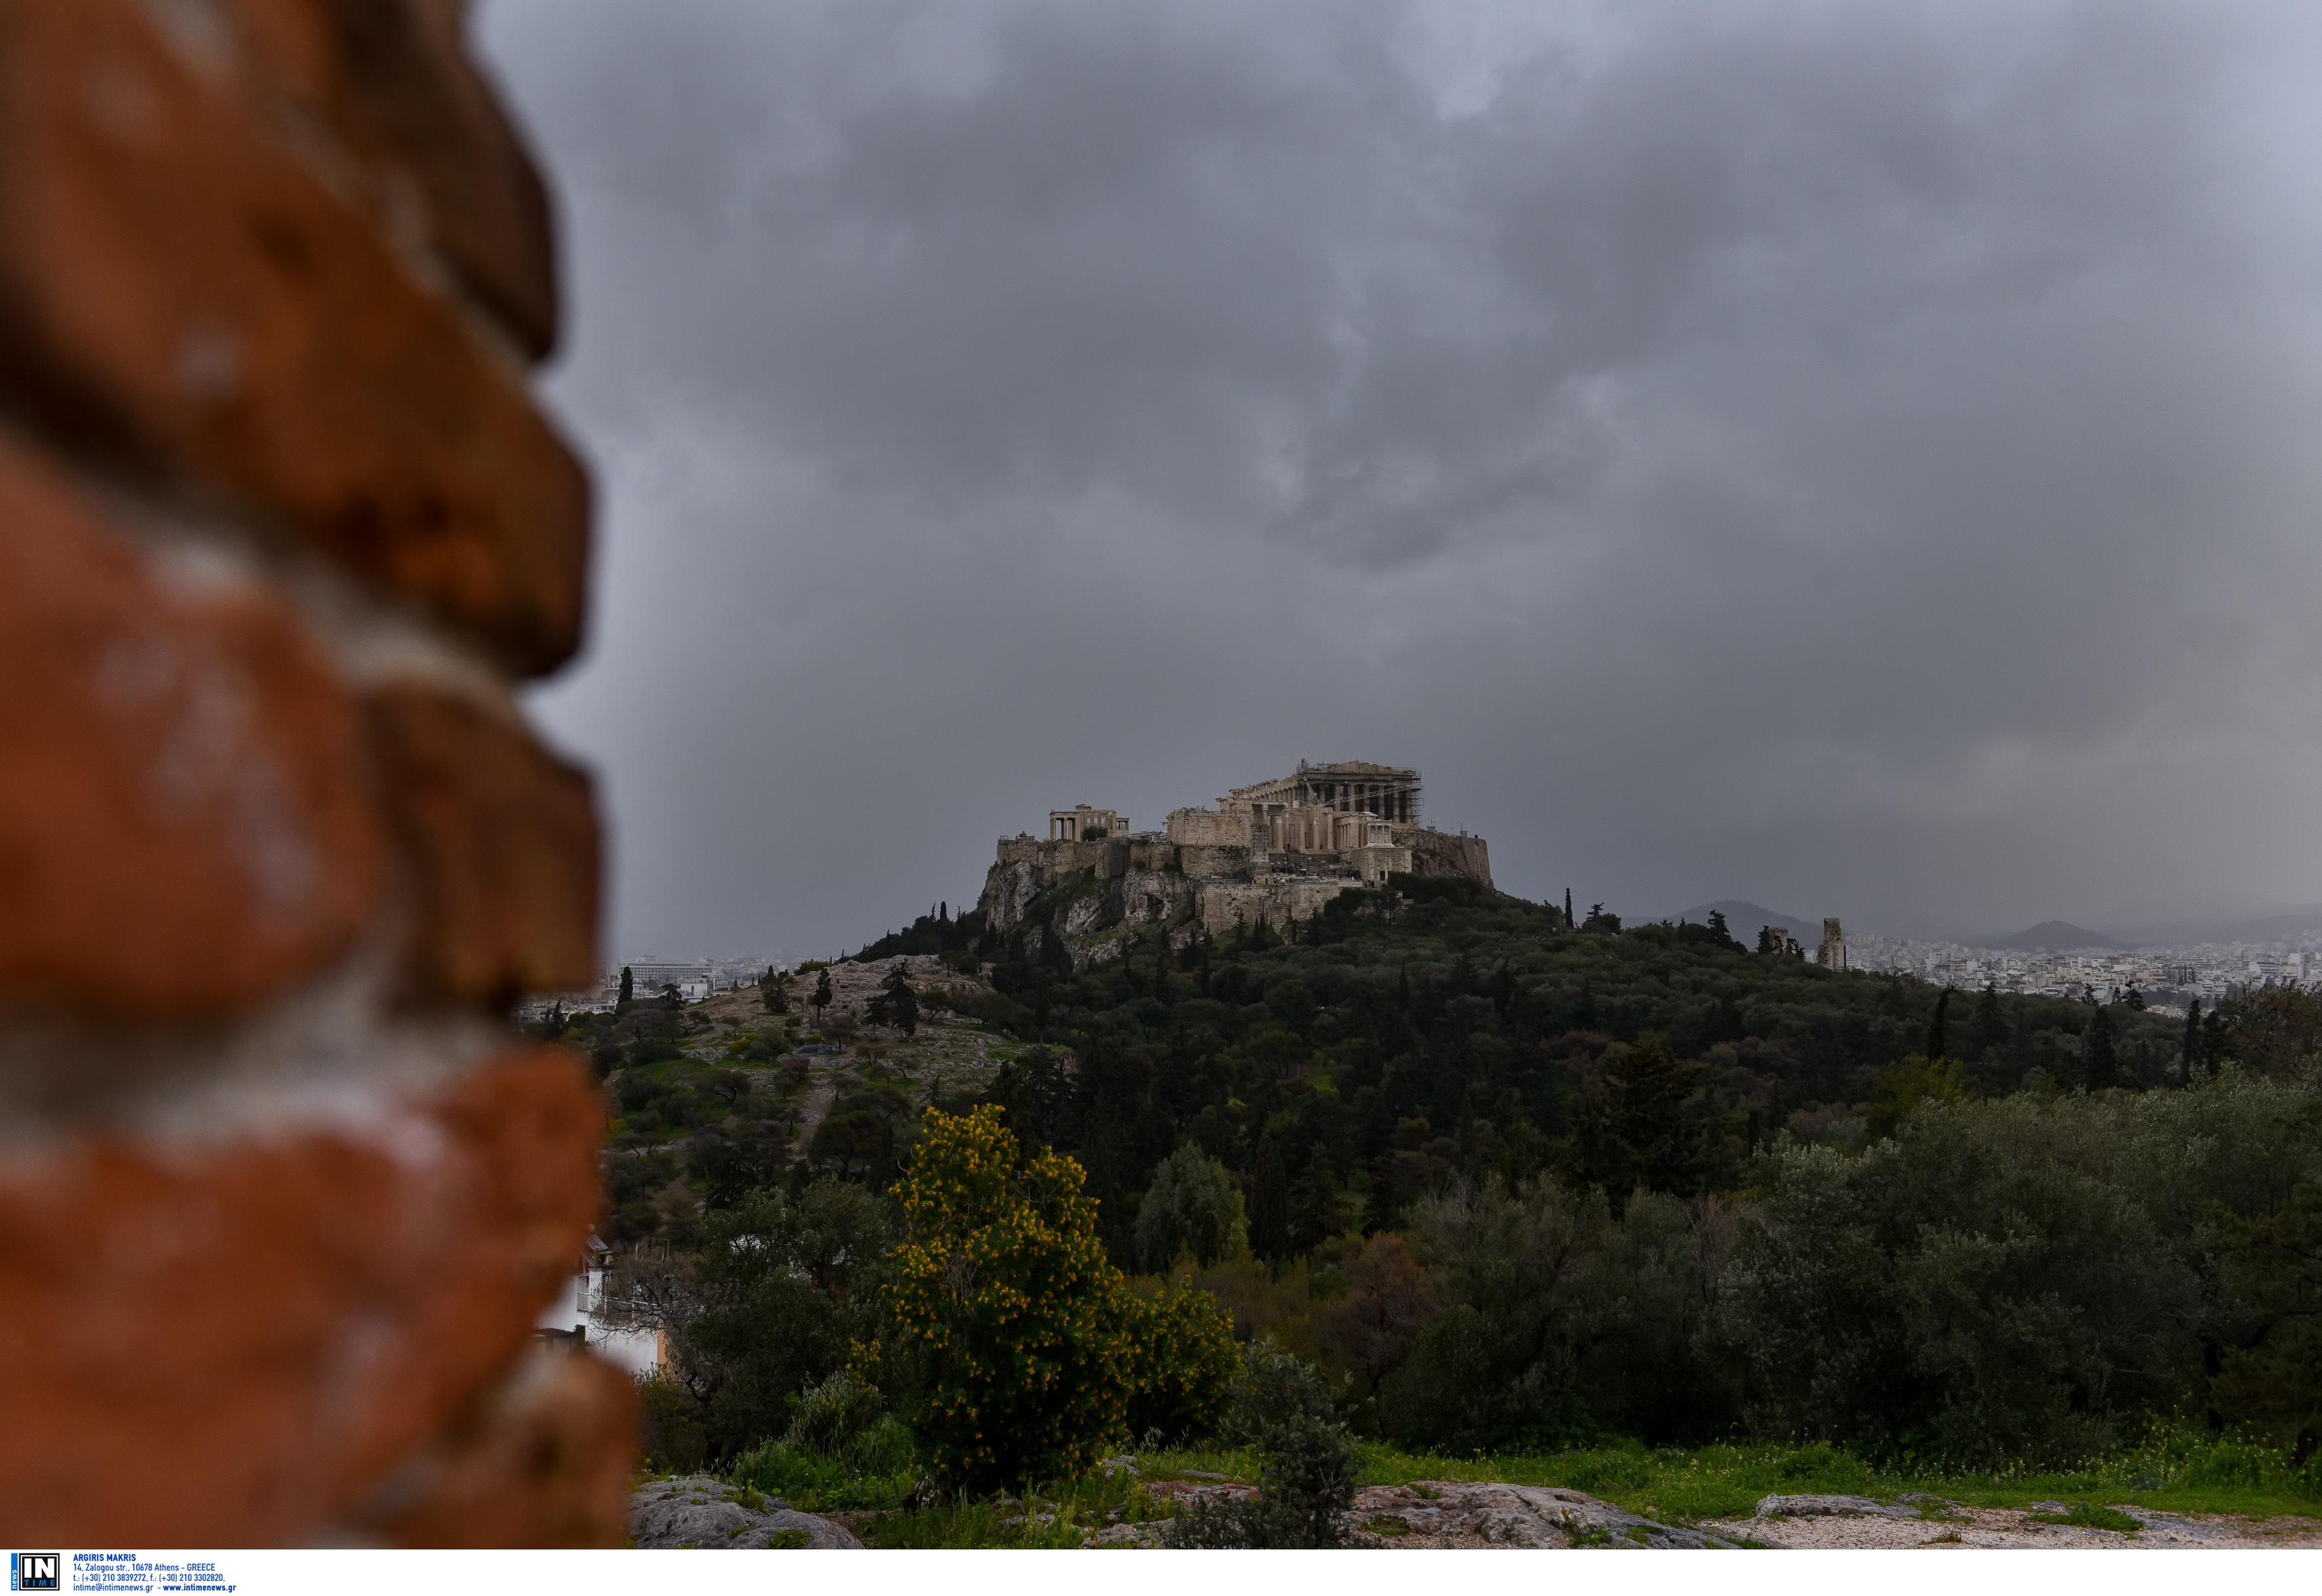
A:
{"x": 1210, "y": 828}
{"x": 280, "y": 529}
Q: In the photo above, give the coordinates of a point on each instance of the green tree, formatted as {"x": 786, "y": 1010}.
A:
{"x": 1938, "y": 1042}
{"x": 1903, "y": 1085}
{"x": 775, "y": 989}
{"x": 1190, "y": 1210}
{"x": 2192, "y": 1049}
{"x": 2272, "y": 1030}
{"x": 1631, "y": 1130}
{"x": 2276, "y": 1384}
{"x": 2100, "y": 1064}
{"x": 1270, "y": 1229}
{"x": 758, "y": 1309}
{"x": 1015, "y": 1327}
{"x": 1318, "y": 1213}
{"x": 628, "y": 987}
{"x": 896, "y": 1004}
{"x": 1185, "y": 1363}
{"x": 1988, "y": 1032}
{"x": 822, "y": 994}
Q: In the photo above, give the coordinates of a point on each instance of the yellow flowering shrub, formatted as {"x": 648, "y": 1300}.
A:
{"x": 1016, "y": 1326}
{"x": 1186, "y": 1362}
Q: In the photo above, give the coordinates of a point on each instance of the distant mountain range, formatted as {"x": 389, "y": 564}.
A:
{"x": 1744, "y": 918}
{"x": 2055, "y": 936}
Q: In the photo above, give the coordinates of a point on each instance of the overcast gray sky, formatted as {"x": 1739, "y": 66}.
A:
{"x": 1863, "y": 458}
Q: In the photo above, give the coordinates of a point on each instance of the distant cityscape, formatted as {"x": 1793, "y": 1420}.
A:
{"x": 694, "y": 978}
{"x": 2169, "y": 979}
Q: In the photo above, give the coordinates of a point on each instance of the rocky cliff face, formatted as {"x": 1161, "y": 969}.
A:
{"x": 1100, "y": 896}
{"x": 1445, "y": 854}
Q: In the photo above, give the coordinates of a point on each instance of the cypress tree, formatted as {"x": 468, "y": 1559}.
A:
{"x": 628, "y": 986}
{"x": 1938, "y": 1042}
{"x": 1318, "y": 1217}
{"x": 902, "y": 1004}
{"x": 2192, "y": 1035}
{"x": 2103, "y": 1068}
{"x": 1990, "y": 1030}
{"x": 1269, "y": 1225}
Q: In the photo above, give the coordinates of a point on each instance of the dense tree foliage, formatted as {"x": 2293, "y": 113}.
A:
{"x": 1497, "y": 1181}
{"x": 1023, "y": 1347}
{"x": 1395, "y": 1043}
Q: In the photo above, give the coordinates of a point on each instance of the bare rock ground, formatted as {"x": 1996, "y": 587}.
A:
{"x": 1440, "y": 1514}
{"x": 708, "y": 1514}
{"x": 1449, "y": 1514}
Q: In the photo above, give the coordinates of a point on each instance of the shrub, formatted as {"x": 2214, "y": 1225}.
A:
{"x": 842, "y": 1452}
{"x": 1191, "y": 1207}
{"x": 1283, "y": 1408}
{"x": 1186, "y": 1362}
{"x": 1566, "y": 1322}
{"x": 1011, "y": 1322}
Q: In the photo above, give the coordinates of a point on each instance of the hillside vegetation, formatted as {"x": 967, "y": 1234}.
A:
{"x": 1512, "y": 1185}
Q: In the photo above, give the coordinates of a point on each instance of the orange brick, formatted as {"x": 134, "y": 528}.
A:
{"x": 501, "y": 838}
{"x": 186, "y": 826}
{"x": 546, "y": 1461}
{"x": 236, "y": 1343}
{"x": 181, "y": 290}
{"x": 393, "y": 81}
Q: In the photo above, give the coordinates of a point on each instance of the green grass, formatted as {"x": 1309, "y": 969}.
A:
{"x": 1074, "y": 1509}
{"x": 2172, "y": 1470}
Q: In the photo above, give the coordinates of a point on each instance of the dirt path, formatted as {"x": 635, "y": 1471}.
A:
{"x": 1858, "y": 1524}
{"x": 821, "y": 1091}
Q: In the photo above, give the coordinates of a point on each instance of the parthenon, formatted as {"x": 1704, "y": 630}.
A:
{"x": 1353, "y": 787}
{"x": 1276, "y": 849}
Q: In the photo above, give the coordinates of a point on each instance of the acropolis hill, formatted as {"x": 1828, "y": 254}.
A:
{"x": 1277, "y": 851}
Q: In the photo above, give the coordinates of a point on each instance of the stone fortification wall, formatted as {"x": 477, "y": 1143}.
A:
{"x": 1206, "y": 862}
{"x": 1373, "y": 865}
{"x": 1211, "y": 828}
{"x": 280, "y": 531}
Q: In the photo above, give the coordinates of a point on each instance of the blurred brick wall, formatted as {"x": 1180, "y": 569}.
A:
{"x": 279, "y": 527}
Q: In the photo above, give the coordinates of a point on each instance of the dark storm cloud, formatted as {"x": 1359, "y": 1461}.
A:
{"x": 1857, "y": 457}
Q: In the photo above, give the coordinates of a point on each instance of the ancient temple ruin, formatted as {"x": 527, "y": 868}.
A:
{"x": 1275, "y": 850}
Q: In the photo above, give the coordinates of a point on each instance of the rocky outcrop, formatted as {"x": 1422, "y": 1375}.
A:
{"x": 707, "y": 1514}
{"x": 1100, "y": 897}
{"x": 1445, "y": 854}
{"x": 1437, "y": 1514}
{"x": 1827, "y": 1507}
{"x": 1459, "y": 1513}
